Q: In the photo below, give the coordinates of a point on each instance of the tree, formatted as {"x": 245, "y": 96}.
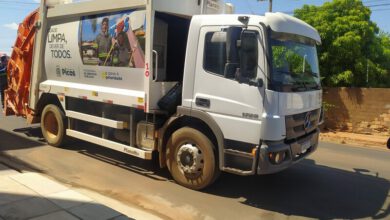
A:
{"x": 352, "y": 44}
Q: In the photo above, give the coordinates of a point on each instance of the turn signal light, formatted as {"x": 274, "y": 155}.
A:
{"x": 277, "y": 157}
{"x": 254, "y": 151}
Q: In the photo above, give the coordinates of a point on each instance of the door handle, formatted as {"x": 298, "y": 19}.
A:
{"x": 202, "y": 102}
{"x": 155, "y": 71}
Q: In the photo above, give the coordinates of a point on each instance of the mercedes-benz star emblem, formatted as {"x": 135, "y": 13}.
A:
{"x": 307, "y": 123}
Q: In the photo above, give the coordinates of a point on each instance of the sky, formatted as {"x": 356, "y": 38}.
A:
{"x": 13, "y": 12}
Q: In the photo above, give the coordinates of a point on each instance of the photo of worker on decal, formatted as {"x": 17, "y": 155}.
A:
{"x": 114, "y": 39}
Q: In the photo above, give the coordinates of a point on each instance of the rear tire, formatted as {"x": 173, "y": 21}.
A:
{"x": 191, "y": 159}
{"x": 53, "y": 125}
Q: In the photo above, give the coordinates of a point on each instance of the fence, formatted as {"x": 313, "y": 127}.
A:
{"x": 359, "y": 110}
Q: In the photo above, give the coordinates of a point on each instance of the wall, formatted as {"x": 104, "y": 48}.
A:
{"x": 359, "y": 110}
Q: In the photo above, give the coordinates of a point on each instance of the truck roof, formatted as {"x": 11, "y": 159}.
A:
{"x": 184, "y": 8}
{"x": 278, "y": 22}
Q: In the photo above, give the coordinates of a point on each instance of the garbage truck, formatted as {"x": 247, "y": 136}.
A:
{"x": 178, "y": 81}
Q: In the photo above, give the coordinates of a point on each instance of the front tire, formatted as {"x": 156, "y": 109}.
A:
{"x": 191, "y": 159}
{"x": 53, "y": 125}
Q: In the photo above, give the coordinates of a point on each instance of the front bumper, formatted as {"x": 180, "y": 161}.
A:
{"x": 295, "y": 151}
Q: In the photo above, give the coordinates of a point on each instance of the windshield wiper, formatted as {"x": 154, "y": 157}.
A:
{"x": 299, "y": 87}
{"x": 284, "y": 72}
{"x": 295, "y": 74}
{"x": 312, "y": 73}
{"x": 315, "y": 86}
{"x": 304, "y": 86}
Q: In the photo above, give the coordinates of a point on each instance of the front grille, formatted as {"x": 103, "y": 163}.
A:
{"x": 295, "y": 124}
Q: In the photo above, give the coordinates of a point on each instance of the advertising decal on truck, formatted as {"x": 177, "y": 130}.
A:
{"x": 110, "y": 49}
{"x": 114, "y": 39}
{"x": 60, "y": 49}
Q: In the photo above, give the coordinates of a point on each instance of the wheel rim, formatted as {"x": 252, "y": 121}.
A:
{"x": 51, "y": 125}
{"x": 190, "y": 159}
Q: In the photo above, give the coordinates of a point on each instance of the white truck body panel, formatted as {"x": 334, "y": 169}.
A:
{"x": 77, "y": 9}
{"x": 280, "y": 22}
{"x": 111, "y": 144}
{"x": 189, "y": 8}
{"x": 125, "y": 97}
{"x": 239, "y": 129}
{"x": 63, "y": 53}
{"x": 294, "y": 103}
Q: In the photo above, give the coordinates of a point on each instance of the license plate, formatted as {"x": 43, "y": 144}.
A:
{"x": 305, "y": 145}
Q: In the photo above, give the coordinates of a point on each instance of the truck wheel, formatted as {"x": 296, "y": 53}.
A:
{"x": 53, "y": 125}
{"x": 191, "y": 159}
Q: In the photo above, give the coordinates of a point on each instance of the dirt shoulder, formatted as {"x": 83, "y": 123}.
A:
{"x": 365, "y": 140}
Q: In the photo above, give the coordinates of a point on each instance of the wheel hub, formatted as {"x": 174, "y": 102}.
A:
{"x": 51, "y": 124}
{"x": 190, "y": 159}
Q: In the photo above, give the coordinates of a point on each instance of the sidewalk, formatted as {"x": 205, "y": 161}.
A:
{"x": 33, "y": 196}
{"x": 365, "y": 140}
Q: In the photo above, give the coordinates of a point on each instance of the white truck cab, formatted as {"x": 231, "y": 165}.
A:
{"x": 257, "y": 79}
{"x": 205, "y": 91}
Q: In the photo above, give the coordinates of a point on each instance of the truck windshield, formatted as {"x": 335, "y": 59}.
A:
{"x": 294, "y": 65}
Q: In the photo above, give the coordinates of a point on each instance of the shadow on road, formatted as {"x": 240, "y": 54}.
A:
{"x": 307, "y": 189}
{"x": 31, "y": 137}
{"x": 12, "y": 141}
{"x": 311, "y": 190}
{"x": 143, "y": 167}
{"x": 34, "y": 132}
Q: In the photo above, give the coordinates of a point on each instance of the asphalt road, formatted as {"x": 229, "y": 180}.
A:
{"x": 337, "y": 181}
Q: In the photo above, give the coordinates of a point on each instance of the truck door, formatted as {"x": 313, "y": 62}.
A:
{"x": 235, "y": 103}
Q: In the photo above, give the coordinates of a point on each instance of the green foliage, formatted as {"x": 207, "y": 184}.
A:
{"x": 342, "y": 79}
{"x": 283, "y": 56}
{"x": 351, "y": 44}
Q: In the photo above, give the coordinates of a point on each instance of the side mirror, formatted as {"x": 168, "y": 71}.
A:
{"x": 249, "y": 54}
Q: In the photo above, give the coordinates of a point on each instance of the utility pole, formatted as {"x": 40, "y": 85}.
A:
{"x": 269, "y": 4}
